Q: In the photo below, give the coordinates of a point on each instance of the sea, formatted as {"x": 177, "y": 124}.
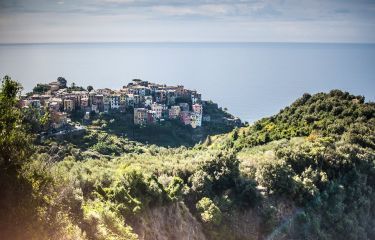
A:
{"x": 251, "y": 80}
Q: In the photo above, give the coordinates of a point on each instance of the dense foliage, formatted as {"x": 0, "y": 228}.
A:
{"x": 305, "y": 173}
{"x": 41, "y": 88}
{"x": 323, "y": 114}
{"x": 15, "y": 151}
{"x": 330, "y": 172}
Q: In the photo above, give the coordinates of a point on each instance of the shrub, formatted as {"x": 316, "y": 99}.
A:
{"x": 201, "y": 183}
{"x": 175, "y": 188}
{"x": 277, "y": 177}
{"x": 104, "y": 223}
{"x": 107, "y": 148}
{"x": 223, "y": 170}
{"x": 209, "y": 212}
{"x": 247, "y": 193}
{"x": 133, "y": 192}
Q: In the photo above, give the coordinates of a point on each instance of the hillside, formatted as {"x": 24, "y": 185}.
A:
{"x": 323, "y": 114}
{"x": 306, "y": 173}
{"x": 146, "y": 112}
{"x": 319, "y": 154}
{"x": 168, "y": 133}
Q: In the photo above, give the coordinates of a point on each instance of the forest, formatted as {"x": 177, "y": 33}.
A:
{"x": 308, "y": 172}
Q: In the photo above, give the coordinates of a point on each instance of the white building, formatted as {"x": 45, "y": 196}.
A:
{"x": 115, "y": 101}
{"x": 148, "y": 101}
{"x": 195, "y": 120}
{"x": 130, "y": 100}
{"x": 158, "y": 108}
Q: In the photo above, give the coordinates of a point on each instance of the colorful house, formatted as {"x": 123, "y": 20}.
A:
{"x": 140, "y": 116}
{"x": 68, "y": 105}
{"x": 185, "y": 117}
{"x": 174, "y": 112}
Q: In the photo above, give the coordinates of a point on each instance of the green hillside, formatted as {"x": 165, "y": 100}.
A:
{"x": 323, "y": 114}
{"x": 319, "y": 154}
{"x": 306, "y": 173}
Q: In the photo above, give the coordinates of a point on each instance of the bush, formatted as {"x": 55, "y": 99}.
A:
{"x": 201, "y": 183}
{"x": 107, "y": 148}
{"x": 247, "y": 193}
{"x": 175, "y": 188}
{"x": 209, "y": 212}
{"x": 276, "y": 177}
{"x": 134, "y": 192}
{"x": 104, "y": 223}
{"x": 223, "y": 170}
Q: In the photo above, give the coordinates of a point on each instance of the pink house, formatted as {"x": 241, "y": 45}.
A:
{"x": 197, "y": 108}
{"x": 185, "y": 117}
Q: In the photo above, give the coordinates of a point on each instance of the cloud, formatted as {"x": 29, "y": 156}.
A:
{"x": 177, "y": 20}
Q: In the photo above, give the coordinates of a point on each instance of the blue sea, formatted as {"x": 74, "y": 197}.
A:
{"x": 252, "y": 80}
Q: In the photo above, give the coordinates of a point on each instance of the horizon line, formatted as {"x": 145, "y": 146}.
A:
{"x": 185, "y": 42}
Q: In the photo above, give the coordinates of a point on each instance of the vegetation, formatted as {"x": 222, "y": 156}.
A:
{"x": 319, "y": 115}
{"x": 329, "y": 172}
{"x": 62, "y": 82}
{"x": 90, "y": 88}
{"x": 41, "y": 88}
{"x": 209, "y": 212}
{"x": 305, "y": 173}
{"x": 74, "y": 87}
{"x": 15, "y": 151}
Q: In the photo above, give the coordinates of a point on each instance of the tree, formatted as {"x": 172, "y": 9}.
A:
{"x": 14, "y": 141}
{"x": 62, "y": 82}
{"x": 74, "y": 87}
{"x": 15, "y": 149}
{"x": 276, "y": 177}
{"x": 41, "y": 88}
{"x": 223, "y": 170}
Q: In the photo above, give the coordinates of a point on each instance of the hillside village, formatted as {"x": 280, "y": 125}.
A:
{"x": 148, "y": 102}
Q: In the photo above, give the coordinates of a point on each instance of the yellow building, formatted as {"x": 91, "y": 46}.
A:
{"x": 68, "y": 105}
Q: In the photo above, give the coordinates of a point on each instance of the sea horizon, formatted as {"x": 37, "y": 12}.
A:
{"x": 190, "y": 42}
{"x": 216, "y": 69}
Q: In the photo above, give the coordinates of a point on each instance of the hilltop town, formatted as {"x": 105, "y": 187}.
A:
{"x": 149, "y": 103}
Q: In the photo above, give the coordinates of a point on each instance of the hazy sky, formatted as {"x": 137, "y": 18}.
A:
{"x": 191, "y": 20}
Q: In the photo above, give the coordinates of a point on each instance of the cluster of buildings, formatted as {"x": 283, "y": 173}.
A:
{"x": 160, "y": 111}
{"x": 157, "y": 102}
{"x": 150, "y": 102}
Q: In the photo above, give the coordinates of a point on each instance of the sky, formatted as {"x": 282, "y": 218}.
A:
{"x": 45, "y": 21}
